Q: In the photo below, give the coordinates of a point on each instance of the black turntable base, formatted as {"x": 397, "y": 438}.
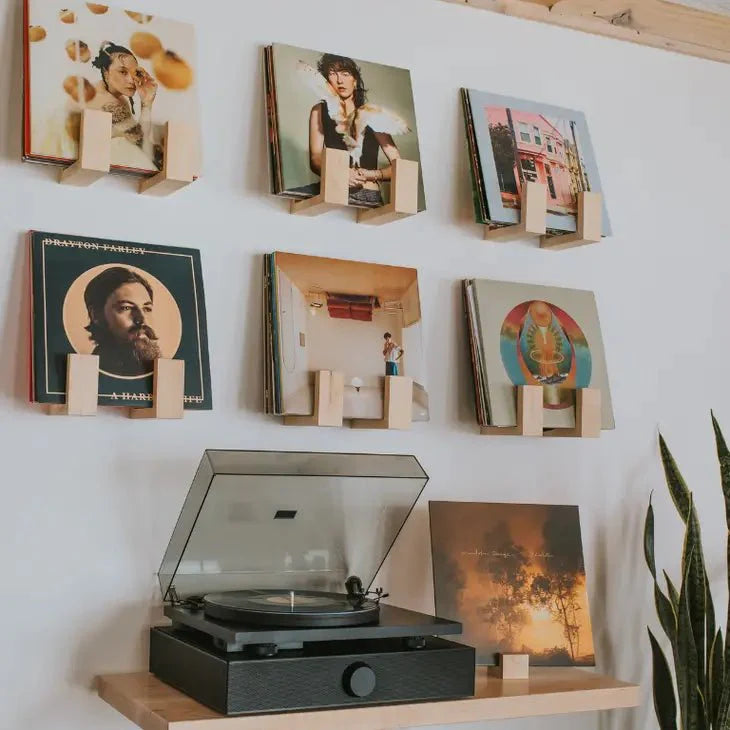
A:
{"x": 321, "y": 674}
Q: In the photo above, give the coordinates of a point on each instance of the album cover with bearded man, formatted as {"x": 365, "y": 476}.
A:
{"x": 128, "y": 303}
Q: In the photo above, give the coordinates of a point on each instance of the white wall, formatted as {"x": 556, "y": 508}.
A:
{"x": 87, "y": 505}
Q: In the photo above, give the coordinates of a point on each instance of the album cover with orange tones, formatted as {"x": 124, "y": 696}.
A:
{"x": 513, "y": 575}
{"x": 139, "y": 67}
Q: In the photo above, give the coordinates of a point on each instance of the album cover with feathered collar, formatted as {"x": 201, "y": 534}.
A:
{"x": 128, "y": 303}
{"x": 317, "y": 100}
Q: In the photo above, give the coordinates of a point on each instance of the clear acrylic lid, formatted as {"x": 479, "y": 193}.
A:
{"x": 290, "y": 520}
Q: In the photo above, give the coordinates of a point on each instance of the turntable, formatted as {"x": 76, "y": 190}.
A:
{"x": 266, "y": 582}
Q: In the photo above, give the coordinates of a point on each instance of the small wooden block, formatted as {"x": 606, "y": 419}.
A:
{"x": 334, "y": 187}
{"x": 533, "y": 212}
{"x": 588, "y": 224}
{"x": 168, "y": 391}
{"x": 403, "y": 196}
{"x": 397, "y": 405}
{"x": 82, "y": 387}
{"x": 179, "y": 161}
{"x": 329, "y": 398}
{"x": 95, "y": 149}
{"x": 514, "y": 666}
{"x": 529, "y": 414}
{"x": 587, "y": 416}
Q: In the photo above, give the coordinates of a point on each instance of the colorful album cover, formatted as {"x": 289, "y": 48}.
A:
{"x": 141, "y": 68}
{"x": 538, "y": 335}
{"x": 360, "y": 319}
{"x": 128, "y": 303}
{"x": 513, "y": 575}
{"x": 317, "y": 100}
{"x": 513, "y": 142}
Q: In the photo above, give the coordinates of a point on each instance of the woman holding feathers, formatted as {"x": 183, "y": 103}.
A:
{"x": 343, "y": 119}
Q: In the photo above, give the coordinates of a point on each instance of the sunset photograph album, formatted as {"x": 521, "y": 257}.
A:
{"x": 127, "y": 303}
{"x": 317, "y": 100}
{"x": 356, "y": 318}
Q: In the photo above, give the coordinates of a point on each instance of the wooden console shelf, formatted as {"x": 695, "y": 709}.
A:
{"x": 152, "y": 705}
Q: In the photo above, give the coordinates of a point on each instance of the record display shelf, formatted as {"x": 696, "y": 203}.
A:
{"x": 529, "y": 411}
{"x": 82, "y": 389}
{"x": 94, "y": 160}
{"x": 152, "y": 705}
{"x": 533, "y": 214}
{"x": 329, "y": 397}
{"x": 334, "y": 191}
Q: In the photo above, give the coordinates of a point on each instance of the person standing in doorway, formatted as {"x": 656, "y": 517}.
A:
{"x": 392, "y": 352}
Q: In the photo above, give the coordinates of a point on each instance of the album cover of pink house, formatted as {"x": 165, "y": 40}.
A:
{"x": 530, "y": 147}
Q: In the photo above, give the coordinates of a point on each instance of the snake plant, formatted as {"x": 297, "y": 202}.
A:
{"x": 700, "y": 657}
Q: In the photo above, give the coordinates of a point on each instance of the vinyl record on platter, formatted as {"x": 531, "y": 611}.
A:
{"x": 289, "y": 608}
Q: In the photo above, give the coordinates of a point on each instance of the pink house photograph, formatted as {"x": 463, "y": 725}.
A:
{"x": 531, "y": 147}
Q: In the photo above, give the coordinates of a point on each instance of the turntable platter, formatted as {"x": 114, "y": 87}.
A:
{"x": 289, "y": 608}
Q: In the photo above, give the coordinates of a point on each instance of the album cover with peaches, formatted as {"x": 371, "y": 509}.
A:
{"x": 139, "y": 67}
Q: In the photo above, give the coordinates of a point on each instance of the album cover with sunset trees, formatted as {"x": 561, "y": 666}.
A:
{"x": 513, "y": 575}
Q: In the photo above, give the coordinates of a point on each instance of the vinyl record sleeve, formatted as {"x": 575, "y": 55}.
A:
{"x": 80, "y": 304}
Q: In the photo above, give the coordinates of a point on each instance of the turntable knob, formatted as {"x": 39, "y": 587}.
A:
{"x": 359, "y": 680}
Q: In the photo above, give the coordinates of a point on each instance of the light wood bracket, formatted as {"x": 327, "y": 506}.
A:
{"x": 588, "y": 225}
{"x": 514, "y": 666}
{"x": 403, "y": 196}
{"x": 334, "y": 187}
{"x": 168, "y": 391}
{"x": 329, "y": 394}
{"x": 397, "y": 405}
{"x": 587, "y": 416}
{"x": 179, "y": 161}
{"x": 533, "y": 212}
{"x": 94, "y": 159}
{"x": 82, "y": 387}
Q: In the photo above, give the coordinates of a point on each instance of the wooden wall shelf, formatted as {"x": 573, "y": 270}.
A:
{"x": 335, "y": 193}
{"x": 152, "y": 705}
{"x": 668, "y": 25}
{"x": 94, "y": 160}
{"x": 533, "y": 218}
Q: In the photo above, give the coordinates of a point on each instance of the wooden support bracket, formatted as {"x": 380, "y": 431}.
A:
{"x": 94, "y": 158}
{"x": 397, "y": 405}
{"x": 168, "y": 391}
{"x": 82, "y": 387}
{"x": 532, "y": 216}
{"x": 588, "y": 224}
{"x": 587, "y": 416}
{"x": 334, "y": 185}
{"x": 529, "y": 414}
{"x": 403, "y": 196}
{"x": 179, "y": 161}
{"x": 329, "y": 395}
{"x": 514, "y": 666}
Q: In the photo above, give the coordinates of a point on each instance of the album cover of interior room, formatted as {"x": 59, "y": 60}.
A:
{"x": 334, "y": 315}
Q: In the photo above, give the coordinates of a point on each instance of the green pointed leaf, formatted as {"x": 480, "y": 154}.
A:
{"x": 723, "y": 711}
{"x": 677, "y": 486}
{"x": 666, "y": 614}
{"x": 709, "y": 631}
{"x": 672, "y": 592}
{"x": 716, "y": 676}
{"x": 686, "y": 659}
{"x": 665, "y": 703}
{"x": 649, "y": 540}
{"x": 702, "y": 721}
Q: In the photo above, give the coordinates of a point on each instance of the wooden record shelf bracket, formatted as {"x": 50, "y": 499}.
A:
{"x": 533, "y": 212}
{"x": 397, "y": 405}
{"x": 178, "y": 163}
{"x": 334, "y": 191}
{"x": 403, "y": 196}
{"x": 82, "y": 387}
{"x": 94, "y": 158}
{"x": 168, "y": 391}
{"x": 529, "y": 413}
{"x": 329, "y": 394}
{"x": 334, "y": 187}
{"x": 152, "y": 705}
{"x": 514, "y": 666}
{"x": 588, "y": 224}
